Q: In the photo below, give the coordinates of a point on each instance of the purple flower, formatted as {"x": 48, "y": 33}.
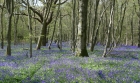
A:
{"x": 101, "y": 75}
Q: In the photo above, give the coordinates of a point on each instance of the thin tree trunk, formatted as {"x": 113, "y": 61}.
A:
{"x": 35, "y": 32}
{"x": 139, "y": 26}
{"x": 132, "y": 34}
{"x": 15, "y": 30}
{"x": 73, "y": 28}
{"x": 112, "y": 3}
{"x": 30, "y": 27}
{"x": 8, "y": 51}
{"x": 60, "y": 30}
{"x": 122, "y": 15}
{"x": 95, "y": 22}
{"x": 89, "y": 21}
{"x": 49, "y": 46}
{"x": 47, "y": 38}
{"x": 97, "y": 30}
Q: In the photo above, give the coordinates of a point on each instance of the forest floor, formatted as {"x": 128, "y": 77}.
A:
{"x": 55, "y": 66}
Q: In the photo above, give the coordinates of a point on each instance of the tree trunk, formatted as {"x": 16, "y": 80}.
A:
{"x": 35, "y": 31}
{"x": 139, "y": 26}
{"x": 95, "y": 20}
{"x": 42, "y": 38}
{"x": 44, "y": 33}
{"x": 47, "y": 34}
{"x": 132, "y": 33}
{"x": 8, "y": 51}
{"x": 15, "y": 30}
{"x": 30, "y": 27}
{"x": 2, "y": 35}
{"x": 73, "y": 28}
{"x": 89, "y": 22}
{"x": 60, "y": 31}
{"x": 82, "y": 29}
{"x": 108, "y": 40}
{"x": 10, "y": 8}
{"x": 49, "y": 46}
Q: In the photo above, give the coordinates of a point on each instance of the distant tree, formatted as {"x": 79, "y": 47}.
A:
{"x": 132, "y": 28}
{"x": 16, "y": 20}
{"x": 139, "y": 25}
{"x": 54, "y": 29}
{"x": 90, "y": 18}
{"x": 45, "y": 18}
{"x": 60, "y": 32}
{"x": 121, "y": 20}
{"x": 108, "y": 35}
{"x": 94, "y": 39}
{"x": 30, "y": 26}
{"x": 82, "y": 29}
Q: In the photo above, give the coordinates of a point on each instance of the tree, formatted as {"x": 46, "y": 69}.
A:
{"x": 139, "y": 25}
{"x": 10, "y": 9}
{"x": 2, "y": 35}
{"x": 16, "y": 19}
{"x": 74, "y": 26}
{"x": 82, "y": 29}
{"x": 57, "y": 13}
{"x": 94, "y": 26}
{"x": 108, "y": 38}
{"x": 30, "y": 26}
{"x": 46, "y": 19}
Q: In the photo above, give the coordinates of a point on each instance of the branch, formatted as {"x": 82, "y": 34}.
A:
{"x": 37, "y": 12}
{"x": 65, "y": 15}
{"x": 62, "y": 2}
{"x": 50, "y": 18}
{"x": 2, "y": 5}
{"x": 27, "y": 15}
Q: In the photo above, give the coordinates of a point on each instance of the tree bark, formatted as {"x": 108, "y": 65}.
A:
{"x": 42, "y": 36}
{"x": 82, "y": 29}
{"x": 73, "y": 27}
{"x": 108, "y": 40}
{"x": 139, "y": 26}
{"x": 60, "y": 31}
{"x": 10, "y": 9}
{"x": 2, "y": 35}
{"x": 132, "y": 33}
{"x": 44, "y": 33}
{"x": 8, "y": 51}
{"x": 30, "y": 27}
{"x": 15, "y": 30}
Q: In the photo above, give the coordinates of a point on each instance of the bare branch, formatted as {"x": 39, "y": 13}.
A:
{"x": 62, "y": 2}
{"x": 27, "y": 15}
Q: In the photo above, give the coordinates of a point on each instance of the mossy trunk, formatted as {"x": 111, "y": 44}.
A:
{"x": 82, "y": 29}
{"x": 42, "y": 38}
{"x": 8, "y": 51}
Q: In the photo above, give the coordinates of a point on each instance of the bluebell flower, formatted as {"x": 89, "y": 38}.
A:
{"x": 101, "y": 75}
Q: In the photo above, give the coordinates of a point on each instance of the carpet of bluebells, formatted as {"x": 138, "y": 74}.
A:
{"x": 61, "y": 66}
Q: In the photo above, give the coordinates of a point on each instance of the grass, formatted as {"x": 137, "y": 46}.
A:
{"x": 55, "y": 66}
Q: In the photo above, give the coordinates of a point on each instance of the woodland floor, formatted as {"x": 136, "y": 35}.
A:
{"x": 55, "y": 66}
